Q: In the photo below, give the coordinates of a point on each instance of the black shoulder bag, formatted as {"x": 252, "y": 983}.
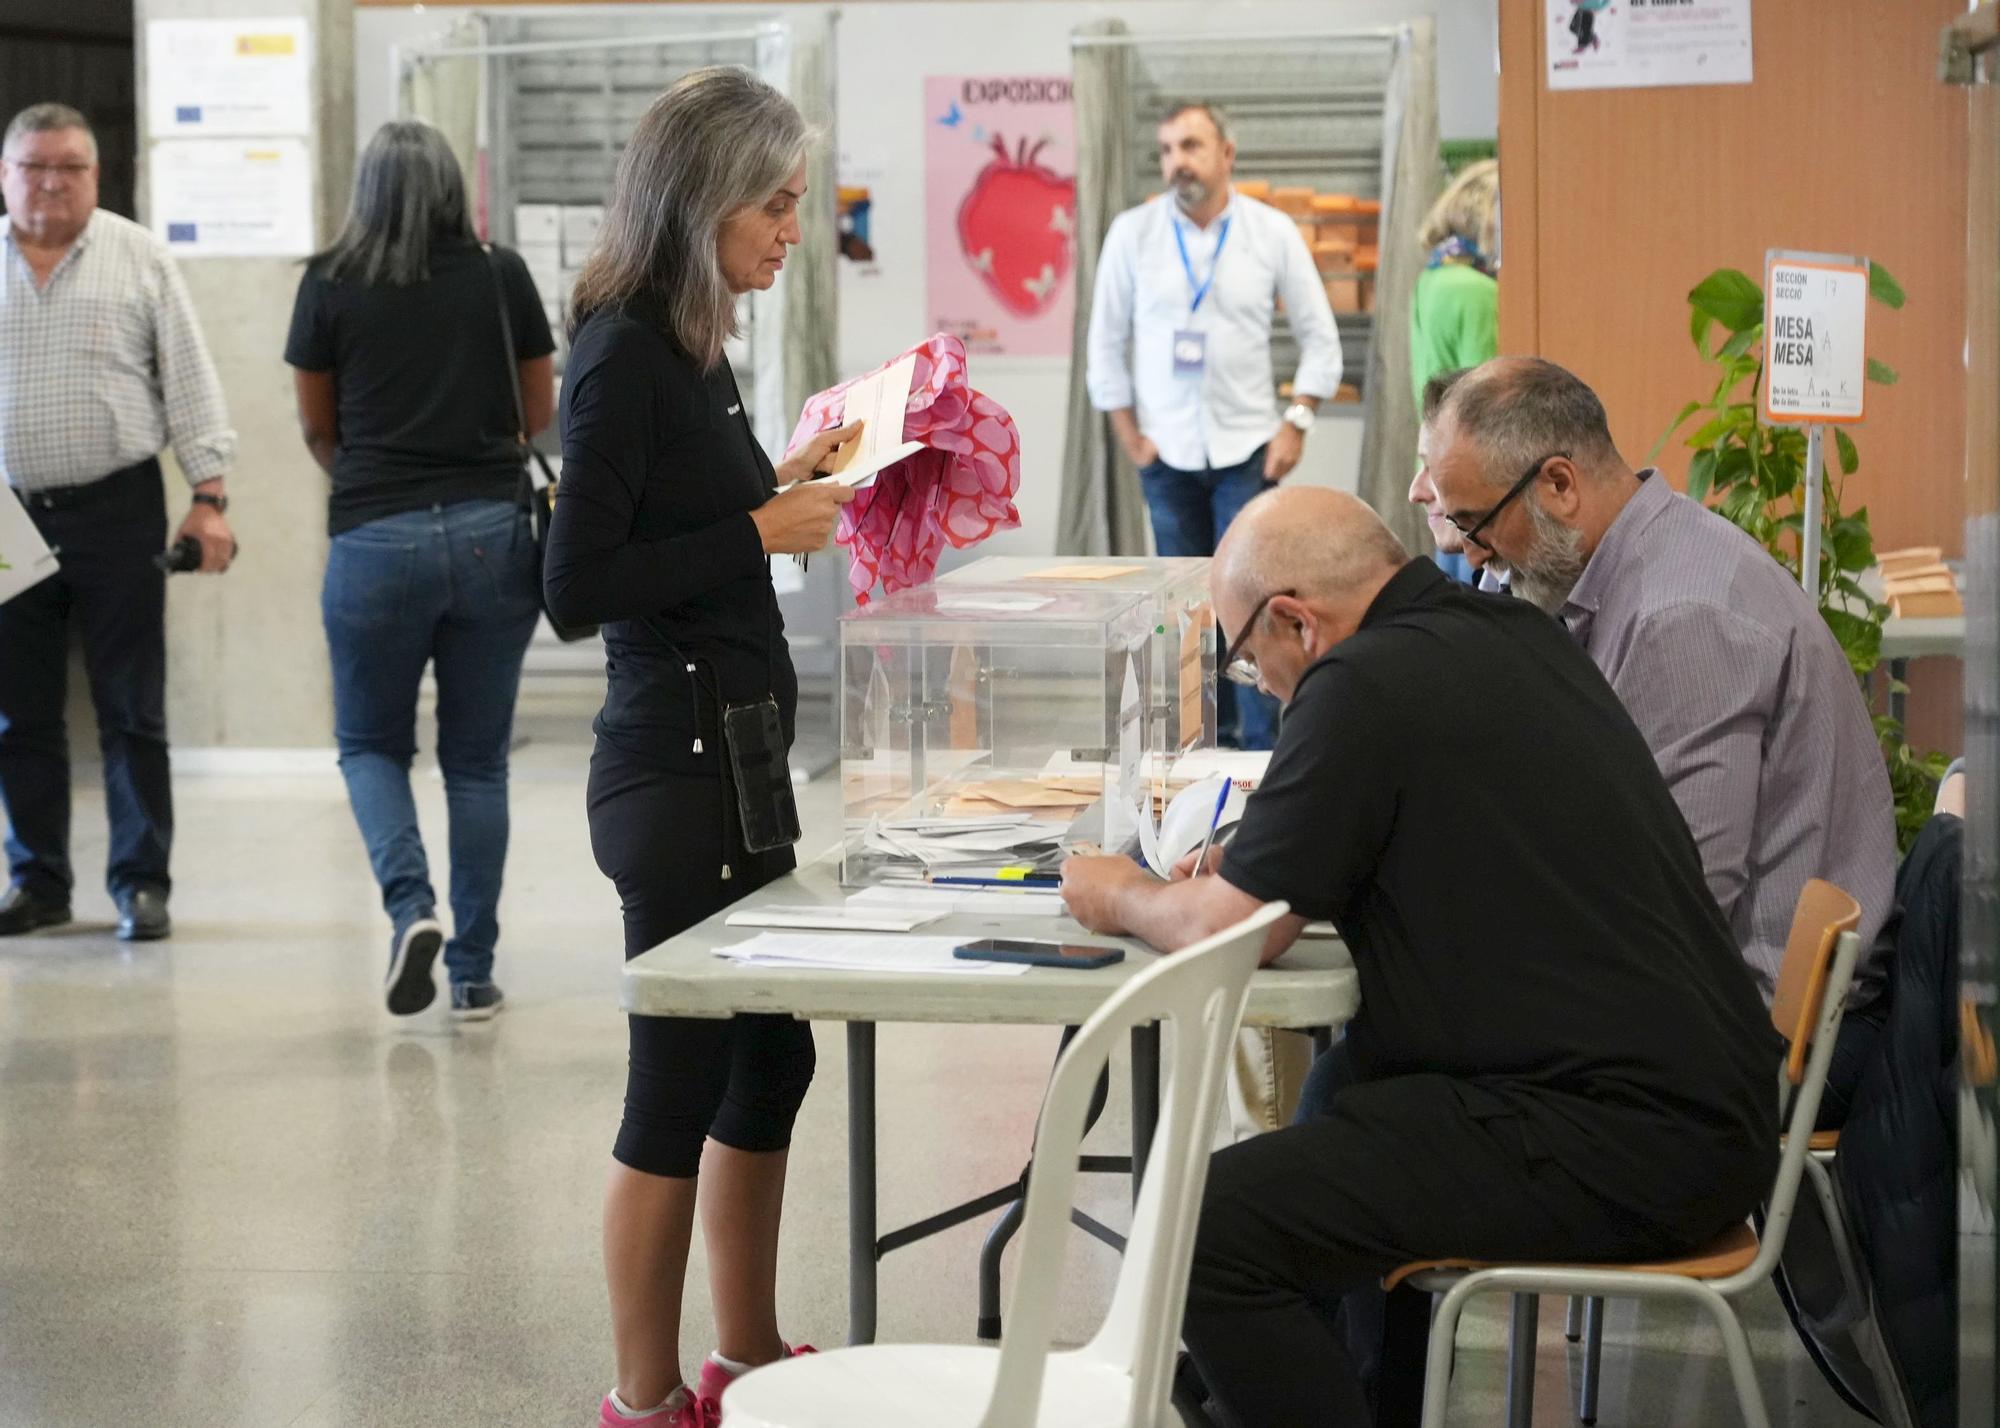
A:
{"x": 538, "y": 502}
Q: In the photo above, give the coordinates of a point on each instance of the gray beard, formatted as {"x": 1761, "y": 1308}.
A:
{"x": 1547, "y": 575}
{"x": 1190, "y": 193}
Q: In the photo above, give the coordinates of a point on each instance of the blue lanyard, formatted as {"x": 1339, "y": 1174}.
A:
{"x": 1200, "y": 289}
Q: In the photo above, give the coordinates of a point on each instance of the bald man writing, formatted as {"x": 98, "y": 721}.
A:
{"x": 1559, "y": 1053}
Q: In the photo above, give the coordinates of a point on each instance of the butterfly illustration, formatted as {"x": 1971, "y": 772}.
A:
{"x": 955, "y": 118}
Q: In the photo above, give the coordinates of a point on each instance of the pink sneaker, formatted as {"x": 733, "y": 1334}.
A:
{"x": 715, "y": 1378}
{"x": 683, "y": 1409}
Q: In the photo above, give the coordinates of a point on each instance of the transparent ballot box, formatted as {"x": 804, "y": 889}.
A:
{"x": 1183, "y": 693}
{"x": 985, "y": 724}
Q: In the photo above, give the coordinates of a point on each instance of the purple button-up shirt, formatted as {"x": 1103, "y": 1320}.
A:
{"x": 1751, "y": 709}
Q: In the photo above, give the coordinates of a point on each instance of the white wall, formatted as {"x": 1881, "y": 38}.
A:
{"x": 885, "y": 51}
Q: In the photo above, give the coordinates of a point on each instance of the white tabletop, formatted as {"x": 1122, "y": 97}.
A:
{"x": 1312, "y": 985}
{"x": 1915, "y": 638}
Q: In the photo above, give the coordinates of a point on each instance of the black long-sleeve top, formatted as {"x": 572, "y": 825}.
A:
{"x": 652, "y": 526}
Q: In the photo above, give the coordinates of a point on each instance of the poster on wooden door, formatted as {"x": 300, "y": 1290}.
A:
{"x": 1637, "y": 44}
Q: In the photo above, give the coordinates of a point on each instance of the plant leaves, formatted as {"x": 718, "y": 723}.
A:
{"x": 1673, "y": 426}
{"x": 1698, "y": 322}
{"x": 1700, "y": 470}
{"x": 1883, "y": 288}
{"x": 1732, "y": 418}
{"x": 1860, "y": 639}
{"x": 1730, "y": 298}
{"x": 1742, "y": 341}
{"x": 1850, "y": 459}
{"x": 1881, "y": 372}
{"x": 1851, "y": 543}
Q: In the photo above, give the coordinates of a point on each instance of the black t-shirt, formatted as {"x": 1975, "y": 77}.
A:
{"x": 1460, "y": 791}
{"x": 652, "y": 524}
{"x": 421, "y": 381}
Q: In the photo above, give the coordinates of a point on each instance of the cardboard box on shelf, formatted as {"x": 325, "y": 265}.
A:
{"x": 1259, "y": 189}
{"x": 1344, "y": 294}
{"x": 1333, "y": 257}
{"x": 1293, "y": 202}
{"x": 536, "y": 223}
{"x": 580, "y": 222}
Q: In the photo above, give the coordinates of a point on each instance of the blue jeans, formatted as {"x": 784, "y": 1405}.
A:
{"x": 452, "y": 586}
{"x": 1191, "y": 510}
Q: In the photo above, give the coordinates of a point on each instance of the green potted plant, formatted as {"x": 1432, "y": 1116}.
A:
{"x": 1754, "y": 475}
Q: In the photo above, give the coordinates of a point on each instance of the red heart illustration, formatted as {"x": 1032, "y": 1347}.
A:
{"x": 1017, "y": 227}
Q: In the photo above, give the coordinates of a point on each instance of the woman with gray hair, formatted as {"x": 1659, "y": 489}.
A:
{"x": 405, "y": 378}
{"x": 666, "y": 516}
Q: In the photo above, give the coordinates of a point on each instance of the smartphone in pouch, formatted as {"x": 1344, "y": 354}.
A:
{"x": 753, "y": 740}
{"x": 1078, "y": 955}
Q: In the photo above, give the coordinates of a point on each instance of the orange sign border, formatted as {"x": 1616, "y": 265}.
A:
{"x": 1773, "y": 417}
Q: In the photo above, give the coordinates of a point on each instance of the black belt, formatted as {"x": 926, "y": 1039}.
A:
{"x": 64, "y": 498}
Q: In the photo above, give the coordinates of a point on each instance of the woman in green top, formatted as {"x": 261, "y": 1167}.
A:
{"x": 1455, "y": 311}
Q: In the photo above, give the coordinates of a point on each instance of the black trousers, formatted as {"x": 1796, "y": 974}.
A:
{"x": 105, "y": 535}
{"x": 1393, "y": 1170}
{"x": 662, "y": 838}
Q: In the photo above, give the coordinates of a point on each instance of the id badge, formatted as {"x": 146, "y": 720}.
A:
{"x": 1190, "y": 354}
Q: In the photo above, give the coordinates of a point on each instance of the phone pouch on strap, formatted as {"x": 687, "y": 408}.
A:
{"x": 753, "y": 741}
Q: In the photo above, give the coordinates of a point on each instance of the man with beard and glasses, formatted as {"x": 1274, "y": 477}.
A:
{"x": 1745, "y": 698}
{"x": 1180, "y": 354}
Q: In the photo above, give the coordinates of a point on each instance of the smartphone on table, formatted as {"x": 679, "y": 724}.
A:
{"x": 1078, "y": 955}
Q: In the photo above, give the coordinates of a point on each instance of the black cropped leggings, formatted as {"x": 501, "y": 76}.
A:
{"x": 659, "y": 836}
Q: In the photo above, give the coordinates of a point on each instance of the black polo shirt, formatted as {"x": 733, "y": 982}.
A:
{"x": 1460, "y": 791}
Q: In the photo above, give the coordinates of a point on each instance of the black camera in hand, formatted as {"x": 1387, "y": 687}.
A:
{"x": 186, "y": 555}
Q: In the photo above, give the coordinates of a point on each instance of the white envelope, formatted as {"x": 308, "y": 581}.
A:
{"x": 25, "y": 558}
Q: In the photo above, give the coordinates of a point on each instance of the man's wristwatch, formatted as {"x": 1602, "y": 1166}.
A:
{"x": 209, "y": 498}
{"x": 1300, "y": 416}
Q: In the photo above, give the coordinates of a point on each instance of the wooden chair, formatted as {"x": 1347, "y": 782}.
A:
{"x": 1811, "y": 994}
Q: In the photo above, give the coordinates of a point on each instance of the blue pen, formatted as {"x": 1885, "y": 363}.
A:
{"x": 1221, "y": 802}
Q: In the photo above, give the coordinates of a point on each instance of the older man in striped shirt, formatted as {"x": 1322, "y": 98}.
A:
{"x": 1743, "y": 694}
{"x": 101, "y": 366}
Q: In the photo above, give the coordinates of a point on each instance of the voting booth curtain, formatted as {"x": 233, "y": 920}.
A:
{"x": 1342, "y": 110}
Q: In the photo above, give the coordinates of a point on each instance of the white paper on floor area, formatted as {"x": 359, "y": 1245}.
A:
{"x": 835, "y": 917}
{"x": 972, "y": 902}
{"x": 861, "y": 954}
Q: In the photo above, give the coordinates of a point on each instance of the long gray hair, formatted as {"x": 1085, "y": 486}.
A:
{"x": 719, "y": 140}
{"x": 408, "y": 194}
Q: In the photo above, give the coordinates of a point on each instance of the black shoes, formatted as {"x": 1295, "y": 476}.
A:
{"x": 21, "y": 911}
{"x": 142, "y": 915}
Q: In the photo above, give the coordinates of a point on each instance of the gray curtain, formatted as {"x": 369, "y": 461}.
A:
{"x": 812, "y": 308}
{"x": 445, "y": 93}
{"x": 1411, "y": 177}
{"x": 1102, "y": 511}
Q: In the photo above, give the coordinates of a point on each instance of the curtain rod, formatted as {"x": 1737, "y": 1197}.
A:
{"x": 1381, "y": 33}
{"x": 619, "y": 42}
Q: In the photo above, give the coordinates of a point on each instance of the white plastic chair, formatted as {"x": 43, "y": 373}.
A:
{"x": 1122, "y": 1378}
{"x": 1811, "y": 995}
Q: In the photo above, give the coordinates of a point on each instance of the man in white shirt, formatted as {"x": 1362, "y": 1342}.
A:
{"x": 102, "y": 365}
{"x": 1180, "y": 354}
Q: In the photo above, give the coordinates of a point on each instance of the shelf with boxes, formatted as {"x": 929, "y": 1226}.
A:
{"x": 553, "y": 239}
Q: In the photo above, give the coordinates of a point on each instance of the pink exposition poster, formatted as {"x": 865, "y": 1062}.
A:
{"x": 1000, "y": 212}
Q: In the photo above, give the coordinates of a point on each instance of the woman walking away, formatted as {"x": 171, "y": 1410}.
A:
{"x": 666, "y": 516}
{"x": 406, "y": 377}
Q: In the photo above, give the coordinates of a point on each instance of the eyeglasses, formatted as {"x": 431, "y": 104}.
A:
{"x": 35, "y": 169}
{"x": 1514, "y": 490}
{"x": 1244, "y": 671}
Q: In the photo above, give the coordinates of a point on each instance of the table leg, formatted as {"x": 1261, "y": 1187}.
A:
{"x": 1899, "y": 673}
{"x": 1521, "y": 1360}
{"x": 861, "y": 1263}
{"x": 1145, "y": 1097}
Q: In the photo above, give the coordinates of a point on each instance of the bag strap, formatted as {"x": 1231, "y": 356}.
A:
{"x": 508, "y": 350}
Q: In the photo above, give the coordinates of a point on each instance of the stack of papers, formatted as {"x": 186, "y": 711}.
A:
{"x": 975, "y": 902}
{"x": 836, "y": 917}
{"x": 966, "y": 843}
{"x": 862, "y": 954}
